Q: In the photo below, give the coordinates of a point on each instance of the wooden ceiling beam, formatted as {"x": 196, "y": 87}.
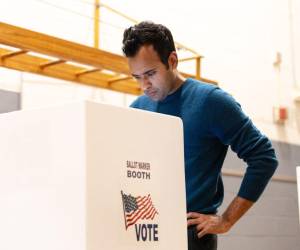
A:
{"x": 31, "y": 64}
{"x": 51, "y": 63}
{"x": 118, "y": 79}
{"x": 12, "y": 54}
{"x": 44, "y": 44}
{"x": 86, "y": 71}
{"x": 65, "y": 51}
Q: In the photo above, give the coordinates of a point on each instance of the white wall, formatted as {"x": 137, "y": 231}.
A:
{"x": 239, "y": 40}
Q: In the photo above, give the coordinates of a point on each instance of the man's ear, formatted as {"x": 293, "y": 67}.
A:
{"x": 173, "y": 60}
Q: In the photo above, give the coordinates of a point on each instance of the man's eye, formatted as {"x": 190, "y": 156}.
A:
{"x": 151, "y": 73}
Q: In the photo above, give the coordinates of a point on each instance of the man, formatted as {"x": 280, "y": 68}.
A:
{"x": 212, "y": 121}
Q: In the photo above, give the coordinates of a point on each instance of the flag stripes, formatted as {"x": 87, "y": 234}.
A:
{"x": 138, "y": 208}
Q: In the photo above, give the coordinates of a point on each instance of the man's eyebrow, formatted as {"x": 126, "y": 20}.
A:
{"x": 146, "y": 72}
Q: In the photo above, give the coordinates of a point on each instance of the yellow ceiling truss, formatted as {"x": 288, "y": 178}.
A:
{"x": 29, "y": 51}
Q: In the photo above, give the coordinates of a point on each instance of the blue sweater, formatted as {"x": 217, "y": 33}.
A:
{"x": 212, "y": 121}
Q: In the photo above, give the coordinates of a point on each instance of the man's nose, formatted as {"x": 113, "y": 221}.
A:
{"x": 145, "y": 83}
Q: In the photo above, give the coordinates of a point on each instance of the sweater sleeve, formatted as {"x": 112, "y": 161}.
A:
{"x": 232, "y": 127}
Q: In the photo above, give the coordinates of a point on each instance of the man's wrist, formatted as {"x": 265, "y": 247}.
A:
{"x": 226, "y": 222}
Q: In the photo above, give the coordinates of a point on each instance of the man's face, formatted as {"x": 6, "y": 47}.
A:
{"x": 155, "y": 79}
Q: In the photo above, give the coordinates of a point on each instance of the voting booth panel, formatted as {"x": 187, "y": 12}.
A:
{"x": 87, "y": 176}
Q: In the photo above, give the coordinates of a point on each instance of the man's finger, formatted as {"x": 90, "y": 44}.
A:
{"x": 193, "y": 215}
{"x": 201, "y": 226}
{"x": 201, "y": 233}
{"x": 192, "y": 222}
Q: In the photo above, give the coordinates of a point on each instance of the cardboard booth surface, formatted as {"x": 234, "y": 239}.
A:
{"x": 88, "y": 176}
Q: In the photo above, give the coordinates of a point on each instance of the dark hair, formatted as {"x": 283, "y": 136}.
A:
{"x": 148, "y": 33}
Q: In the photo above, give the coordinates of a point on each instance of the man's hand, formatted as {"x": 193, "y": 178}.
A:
{"x": 208, "y": 223}
{"x": 215, "y": 224}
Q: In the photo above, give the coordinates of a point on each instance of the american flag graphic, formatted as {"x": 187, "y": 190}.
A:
{"x": 135, "y": 208}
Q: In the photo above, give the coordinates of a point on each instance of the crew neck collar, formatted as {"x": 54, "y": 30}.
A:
{"x": 175, "y": 94}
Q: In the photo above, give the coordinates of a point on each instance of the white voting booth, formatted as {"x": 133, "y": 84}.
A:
{"x": 88, "y": 176}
